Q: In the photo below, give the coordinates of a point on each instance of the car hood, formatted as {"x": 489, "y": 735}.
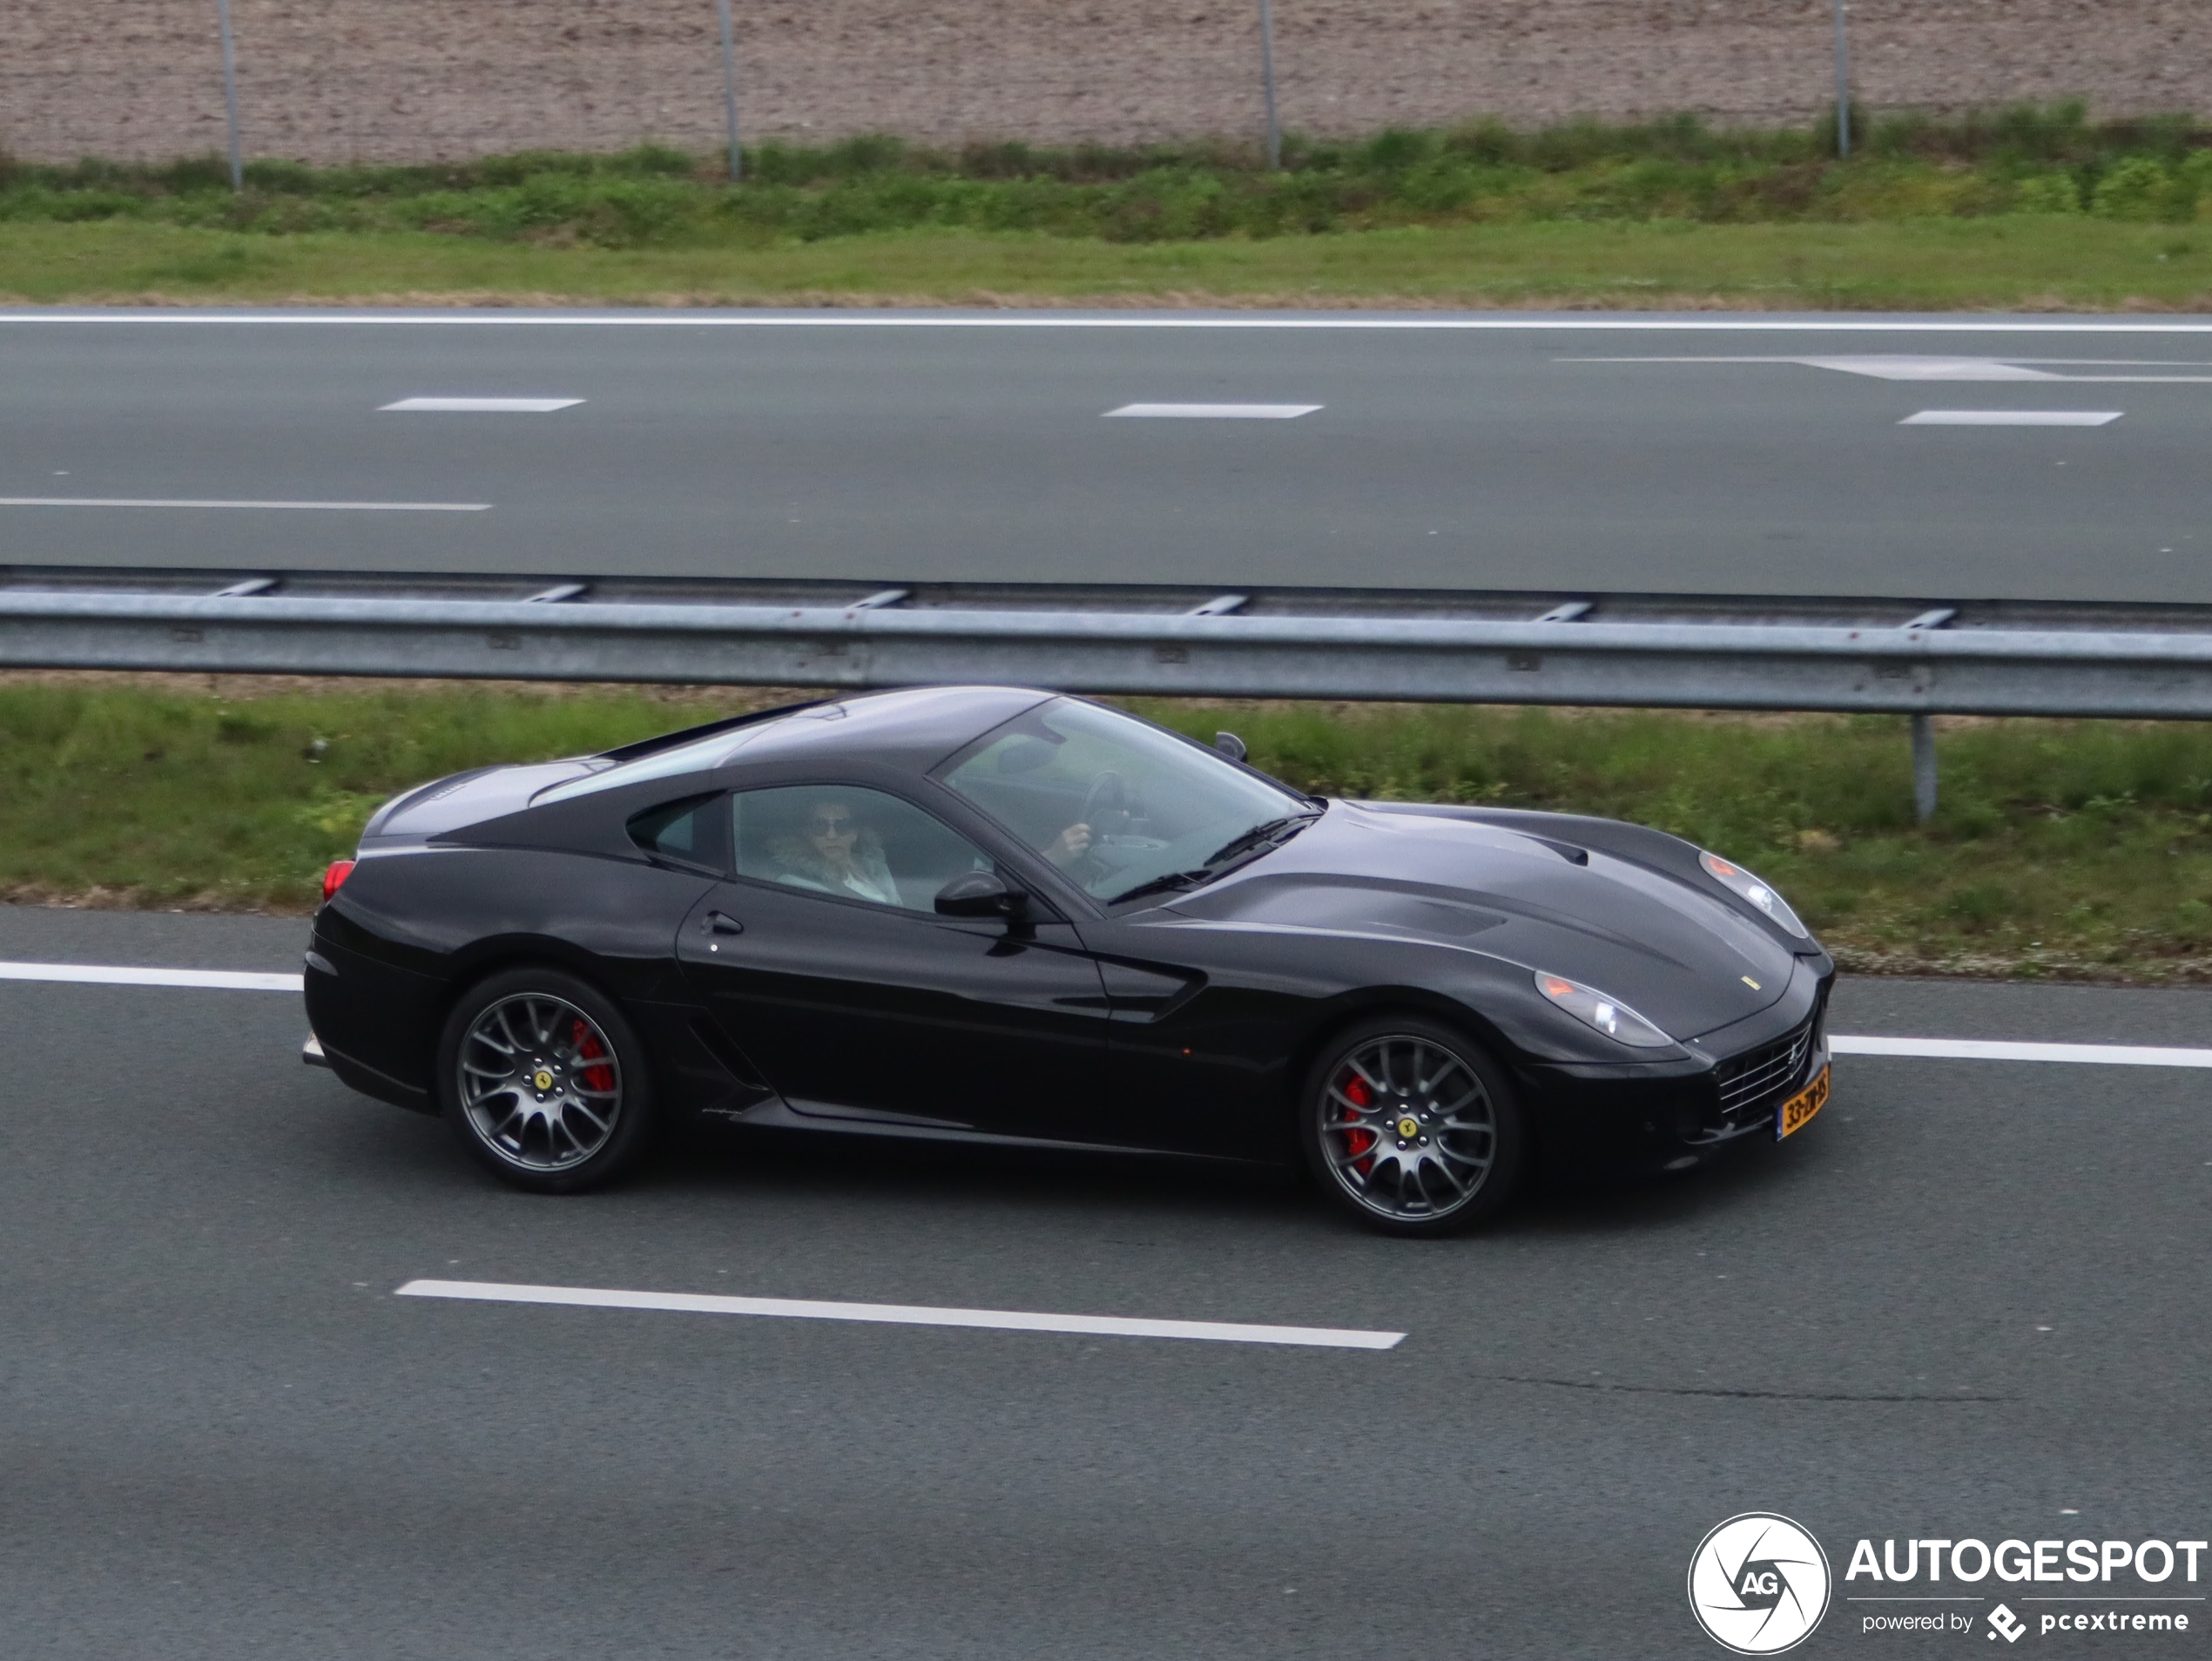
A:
{"x": 1678, "y": 953}
{"x": 465, "y": 799}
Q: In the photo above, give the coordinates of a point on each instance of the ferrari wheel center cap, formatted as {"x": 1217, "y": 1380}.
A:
{"x": 543, "y": 1079}
{"x": 1409, "y": 1127}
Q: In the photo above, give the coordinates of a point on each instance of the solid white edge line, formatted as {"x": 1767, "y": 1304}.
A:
{"x": 482, "y": 406}
{"x": 197, "y": 501}
{"x": 1613, "y": 324}
{"x": 2107, "y": 1055}
{"x": 1212, "y": 412}
{"x": 110, "y": 975}
{"x": 903, "y": 1314}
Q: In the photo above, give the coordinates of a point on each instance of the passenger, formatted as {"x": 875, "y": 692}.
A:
{"x": 836, "y": 855}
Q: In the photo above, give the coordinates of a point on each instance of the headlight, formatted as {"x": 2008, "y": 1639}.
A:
{"x": 1741, "y": 882}
{"x": 1609, "y": 1016}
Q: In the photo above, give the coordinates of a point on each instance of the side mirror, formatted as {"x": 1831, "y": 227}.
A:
{"x": 980, "y": 894}
{"x": 1229, "y": 744}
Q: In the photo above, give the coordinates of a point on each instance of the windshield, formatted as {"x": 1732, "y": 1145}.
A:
{"x": 1118, "y": 804}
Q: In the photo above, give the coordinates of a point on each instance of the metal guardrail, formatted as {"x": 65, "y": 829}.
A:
{"x": 1622, "y": 649}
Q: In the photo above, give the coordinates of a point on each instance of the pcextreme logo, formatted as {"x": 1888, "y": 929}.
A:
{"x": 1758, "y": 1583}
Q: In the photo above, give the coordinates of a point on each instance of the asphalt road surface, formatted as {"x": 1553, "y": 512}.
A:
{"x": 1716, "y": 455}
{"x": 1968, "y": 1302}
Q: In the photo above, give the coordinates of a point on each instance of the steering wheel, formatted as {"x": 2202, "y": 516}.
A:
{"x": 1108, "y": 793}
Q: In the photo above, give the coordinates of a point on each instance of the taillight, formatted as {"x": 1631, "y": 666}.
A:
{"x": 334, "y": 878}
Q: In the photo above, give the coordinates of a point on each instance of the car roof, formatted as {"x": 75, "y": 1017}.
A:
{"x": 912, "y": 729}
{"x": 915, "y": 728}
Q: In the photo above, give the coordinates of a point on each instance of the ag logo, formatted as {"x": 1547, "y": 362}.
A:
{"x": 1758, "y": 1584}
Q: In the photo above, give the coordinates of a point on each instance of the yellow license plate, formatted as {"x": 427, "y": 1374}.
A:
{"x": 1795, "y": 1113}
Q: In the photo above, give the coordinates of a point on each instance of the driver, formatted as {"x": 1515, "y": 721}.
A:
{"x": 1068, "y": 849}
{"x": 834, "y": 855}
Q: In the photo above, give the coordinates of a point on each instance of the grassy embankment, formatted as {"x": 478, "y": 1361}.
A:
{"x": 2025, "y": 208}
{"x": 2063, "y": 848}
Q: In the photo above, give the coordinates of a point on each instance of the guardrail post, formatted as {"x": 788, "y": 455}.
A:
{"x": 1843, "y": 84}
{"x": 230, "y": 92}
{"x": 1267, "y": 82}
{"x": 730, "y": 88}
{"x": 1923, "y": 769}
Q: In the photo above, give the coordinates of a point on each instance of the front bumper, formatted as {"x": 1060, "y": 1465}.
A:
{"x": 1676, "y": 1114}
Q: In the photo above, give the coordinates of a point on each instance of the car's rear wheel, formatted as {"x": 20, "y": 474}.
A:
{"x": 1412, "y": 1127}
{"x": 543, "y": 1081}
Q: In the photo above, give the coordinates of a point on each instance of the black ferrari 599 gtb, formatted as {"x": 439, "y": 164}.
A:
{"x": 979, "y": 914}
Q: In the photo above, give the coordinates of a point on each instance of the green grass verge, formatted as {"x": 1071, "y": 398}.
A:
{"x": 2024, "y": 208}
{"x": 2061, "y": 848}
{"x": 2016, "y": 262}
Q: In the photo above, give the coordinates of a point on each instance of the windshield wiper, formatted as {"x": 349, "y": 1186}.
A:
{"x": 1269, "y": 835}
{"x": 1172, "y": 881}
{"x": 1260, "y": 838}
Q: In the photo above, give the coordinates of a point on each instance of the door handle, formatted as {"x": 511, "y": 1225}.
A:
{"x": 720, "y": 922}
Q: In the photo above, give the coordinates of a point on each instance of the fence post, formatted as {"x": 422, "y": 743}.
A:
{"x": 1843, "y": 84}
{"x": 729, "y": 87}
{"x": 1267, "y": 82}
{"x": 230, "y": 92}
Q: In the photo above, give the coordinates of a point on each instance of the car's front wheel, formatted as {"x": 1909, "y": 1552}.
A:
{"x": 543, "y": 1080}
{"x": 1412, "y": 1127}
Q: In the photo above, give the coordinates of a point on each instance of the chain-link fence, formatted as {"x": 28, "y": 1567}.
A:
{"x": 362, "y": 80}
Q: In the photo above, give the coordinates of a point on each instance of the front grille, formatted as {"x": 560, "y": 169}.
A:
{"x": 1751, "y": 1084}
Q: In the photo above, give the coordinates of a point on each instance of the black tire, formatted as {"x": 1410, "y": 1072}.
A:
{"x": 1466, "y": 1146}
{"x": 575, "y": 1109}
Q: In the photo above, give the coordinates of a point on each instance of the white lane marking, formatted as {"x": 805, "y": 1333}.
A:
{"x": 1838, "y": 1043}
{"x": 1900, "y": 367}
{"x": 2103, "y": 1055}
{"x": 1015, "y": 1320}
{"x": 196, "y": 502}
{"x": 2012, "y": 418}
{"x": 1617, "y": 323}
{"x": 1214, "y": 412}
{"x": 110, "y": 975}
{"x": 1911, "y": 369}
{"x": 484, "y": 406}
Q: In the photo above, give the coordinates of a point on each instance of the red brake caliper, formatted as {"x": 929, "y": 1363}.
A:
{"x": 1359, "y": 1142}
{"x": 588, "y": 1047}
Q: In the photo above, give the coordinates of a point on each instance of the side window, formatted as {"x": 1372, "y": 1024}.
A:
{"x": 854, "y": 843}
{"x": 680, "y": 830}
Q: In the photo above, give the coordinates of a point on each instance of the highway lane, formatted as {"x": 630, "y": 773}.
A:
{"x": 1698, "y": 455}
{"x": 1968, "y": 1302}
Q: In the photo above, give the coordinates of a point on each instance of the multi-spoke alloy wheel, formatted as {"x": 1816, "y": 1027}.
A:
{"x": 541, "y": 1079}
{"x": 1412, "y": 1127}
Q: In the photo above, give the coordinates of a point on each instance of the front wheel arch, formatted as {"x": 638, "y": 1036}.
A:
{"x": 1382, "y": 1001}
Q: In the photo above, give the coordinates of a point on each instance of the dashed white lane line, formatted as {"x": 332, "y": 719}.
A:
{"x": 1893, "y": 366}
{"x": 223, "y": 980}
{"x": 1213, "y": 412}
{"x": 2012, "y": 418}
{"x": 2102, "y": 1054}
{"x": 199, "y": 501}
{"x": 483, "y": 406}
{"x": 898, "y": 1314}
{"x": 1840, "y": 1043}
